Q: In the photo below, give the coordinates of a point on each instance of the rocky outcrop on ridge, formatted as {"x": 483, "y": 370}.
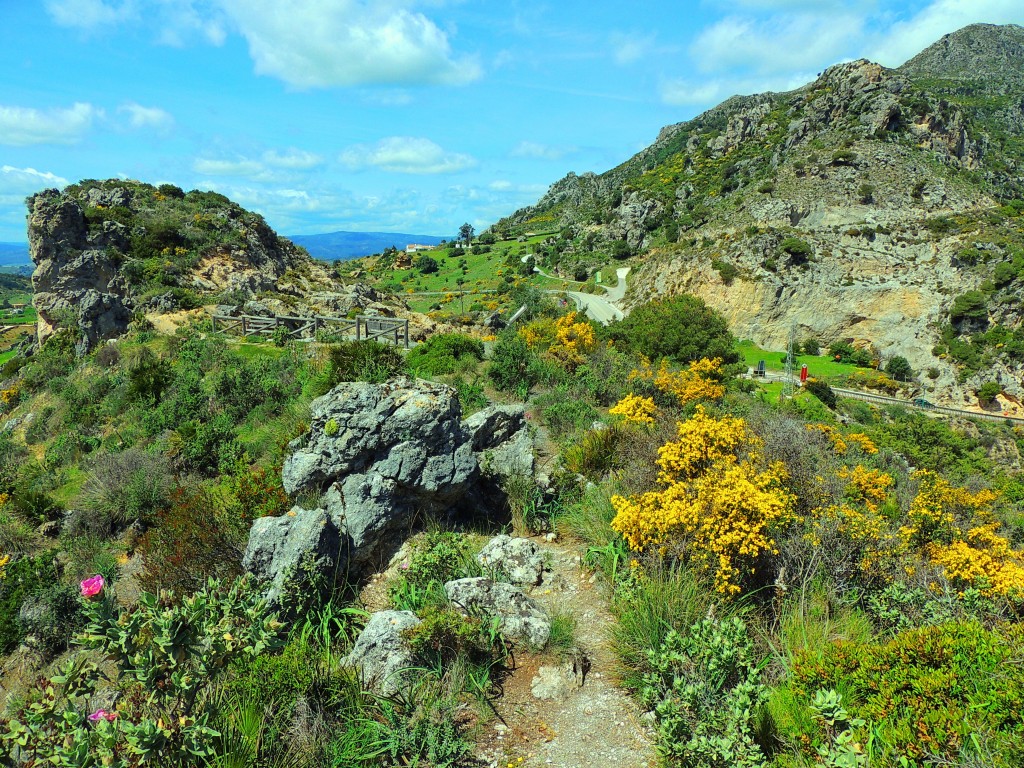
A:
{"x": 377, "y": 459}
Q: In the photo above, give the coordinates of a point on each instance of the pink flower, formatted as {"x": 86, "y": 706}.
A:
{"x": 102, "y": 714}
{"x": 92, "y": 587}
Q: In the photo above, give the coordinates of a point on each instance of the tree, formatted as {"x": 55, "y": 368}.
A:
{"x": 899, "y": 368}
{"x": 682, "y": 328}
{"x": 426, "y": 264}
{"x": 466, "y": 233}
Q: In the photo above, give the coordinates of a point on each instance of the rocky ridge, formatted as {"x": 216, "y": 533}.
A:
{"x": 887, "y": 177}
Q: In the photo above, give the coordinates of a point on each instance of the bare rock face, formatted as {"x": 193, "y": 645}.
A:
{"x": 77, "y": 276}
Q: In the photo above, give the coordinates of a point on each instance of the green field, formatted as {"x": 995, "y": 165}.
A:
{"x": 820, "y": 366}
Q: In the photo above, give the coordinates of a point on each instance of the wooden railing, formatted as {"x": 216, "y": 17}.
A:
{"x": 362, "y": 328}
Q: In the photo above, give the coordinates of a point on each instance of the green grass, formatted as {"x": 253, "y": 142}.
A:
{"x": 819, "y": 366}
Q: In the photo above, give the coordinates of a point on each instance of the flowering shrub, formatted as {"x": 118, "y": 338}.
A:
{"x": 636, "y": 409}
{"x": 841, "y": 443}
{"x": 169, "y": 651}
{"x": 566, "y": 340}
{"x": 719, "y": 507}
{"x": 700, "y": 380}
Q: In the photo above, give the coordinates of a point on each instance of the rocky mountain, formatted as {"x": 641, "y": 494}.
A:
{"x": 879, "y": 206}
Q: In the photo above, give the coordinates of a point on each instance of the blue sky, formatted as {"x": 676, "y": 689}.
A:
{"x": 400, "y": 115}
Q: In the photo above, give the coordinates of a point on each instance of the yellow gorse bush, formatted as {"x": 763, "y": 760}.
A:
{"x": 720, "y": 504}
{"x": 636, "y": 409}
{"x": 567, "y": 339}
{"x": 700, "y": 380}
{"x": 841, "y": 443}
{"x": 984, "y": 559}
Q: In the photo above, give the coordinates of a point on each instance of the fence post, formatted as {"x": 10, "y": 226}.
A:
{"x": 245, "y": 326}
{"x": 406, "y": 333}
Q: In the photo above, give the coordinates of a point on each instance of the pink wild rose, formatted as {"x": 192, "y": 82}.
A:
{"x": 102, "y": 714}
{"x": 92, "y": 586}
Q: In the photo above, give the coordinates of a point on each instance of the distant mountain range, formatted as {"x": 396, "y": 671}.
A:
{"x": 14, "y": 254}
{"x": 352, "y": 245}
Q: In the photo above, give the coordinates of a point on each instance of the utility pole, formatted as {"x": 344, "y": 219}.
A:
{"x": 787, "y": 383}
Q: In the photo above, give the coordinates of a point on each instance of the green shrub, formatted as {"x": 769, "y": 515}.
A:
{"x": 810, "y": 346}
{"x": 370, "y": 361}
{"x": 844, "y": 157}
{"x": 988, "y": 391}
{"x": 682, "y": 328}
{"x": 704, "y": 690}
{"x": 514, "y": 366}
{"x": 595, "y": 454}
{"x": 23, "y": 578}
{"x": 439, "y": 557}
{"x": 426, "y": 264}
{"x": 799, "y": 251}
{"x": 445, "y": 353}
{"x": 929, "y": 693}
{"x": 726, "y": 270}
{"x": 969, "y": 307}
{"x": 822, "y": 391}
{"x": 866, "y": 193}
{"x": 898, "y": 367}
{"x": 123, "y": 487}
{"x": 568, "y": 415}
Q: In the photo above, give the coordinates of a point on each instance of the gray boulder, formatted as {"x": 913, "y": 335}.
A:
{"x": 303, "y": 546}
{"x": 520, "y": 619}
{"x": 556, "y": 683}
{"x": 520, "y": 561}
{"x": 379, "y": 455}
{"x": 502, "y": 441}
{"x": 381, "y": 654}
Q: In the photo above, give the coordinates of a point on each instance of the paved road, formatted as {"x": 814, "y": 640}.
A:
{"x": 603, "y": 309}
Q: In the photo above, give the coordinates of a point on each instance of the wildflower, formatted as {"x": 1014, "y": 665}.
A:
{"x": 92, "y": 586}
{"x": 102, "y": 714}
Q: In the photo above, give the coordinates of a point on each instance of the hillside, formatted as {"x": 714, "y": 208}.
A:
{"x": 14, "y": 254}
{"x": 863, "y": 207}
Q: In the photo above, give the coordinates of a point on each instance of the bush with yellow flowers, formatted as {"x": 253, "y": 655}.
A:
{"x": 721, "y": 504}
{"x": 700, "y": 380}
{"x": 635, "y": 409}
{"x": 567, "y": 339}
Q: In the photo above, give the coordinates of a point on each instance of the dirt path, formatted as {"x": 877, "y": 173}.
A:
{"x": 595, "y": 725}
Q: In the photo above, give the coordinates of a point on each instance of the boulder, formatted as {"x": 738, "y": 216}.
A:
{"x": 379, "y": 455}
{"x": 556, "y": 683}
{"x": 303, "y": 546}
{"x": 518, "y": 560}
{"x": 520, "y": 619}
{"x": 502, "y": 441}
{"x": 381, "y": 654}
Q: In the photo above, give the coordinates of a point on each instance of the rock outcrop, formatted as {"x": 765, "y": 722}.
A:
{"x": 520, "y": 561}
{"x": 378, "y": 458}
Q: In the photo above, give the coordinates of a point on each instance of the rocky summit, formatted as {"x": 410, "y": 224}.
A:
{"x": 863, "y": 207}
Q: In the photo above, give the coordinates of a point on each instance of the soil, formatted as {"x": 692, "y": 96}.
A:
{"x": 596, "y": 725}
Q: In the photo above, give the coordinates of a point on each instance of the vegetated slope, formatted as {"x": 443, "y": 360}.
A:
{"x": 14, "y": 254}
{"x": 353, "y": 245}
{"x": 860, "y": 207}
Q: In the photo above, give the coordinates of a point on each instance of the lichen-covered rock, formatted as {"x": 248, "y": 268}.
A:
{"x": 520, "y": 619}
{"x": 518, "y": 560}
{"x": 380, "y": 454}
{"x": 555, "y": 683}
{"x": 303, "y": 547}
{"x": 381, "y": 654}
{"x": 502, "y": 441}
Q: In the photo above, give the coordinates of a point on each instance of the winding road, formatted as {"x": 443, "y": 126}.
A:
{"x": 603, "y": 309}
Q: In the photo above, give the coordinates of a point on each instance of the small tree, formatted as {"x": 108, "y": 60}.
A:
{"x": 988, "y": 391}
{"x": 899, "y": 368}
{"x": 426, "y": 264}
{"x": 811, "y": 347}
{"x": 466, "y": 233}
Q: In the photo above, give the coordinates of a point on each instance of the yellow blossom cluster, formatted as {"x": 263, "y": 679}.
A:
{"x": 566, "y": 339}
{"x": 939, "y": 510}
{"x": 4, "y": 560}
{"x": 841, "y": 443}
{"x": 639, "y": 410}
{"x": 9, "y": 397}
{"x": 719, "y": 509}
{"x": 984, "y": 560}
{"x": 866, "y": 486}
{"x": 700, "y": 380}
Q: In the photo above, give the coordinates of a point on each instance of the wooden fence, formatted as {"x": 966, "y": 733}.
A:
{"x": 362, "y": 328}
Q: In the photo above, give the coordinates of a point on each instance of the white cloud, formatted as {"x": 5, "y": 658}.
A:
{"x": 629, "y": 48}
{"x": 908, "y": 38}
{"x": 324, "y": 43}
{"x": 405, "y": 154}
{"x": 239, "y": 167}
{"x": 179, "y": 21}
{"x": 779, "y": 44}
{"x": 292, "y": 159}
{"x": 23, "y": 181}
{"x": 536, "y": 151}
{"x": 89, "y": 14}
{"x": 22, "y": 126}
{"x": 147, "y": 117}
